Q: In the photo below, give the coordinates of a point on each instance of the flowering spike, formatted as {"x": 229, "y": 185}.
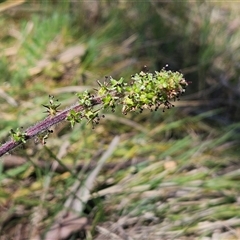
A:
{"x": 145, "y": 91}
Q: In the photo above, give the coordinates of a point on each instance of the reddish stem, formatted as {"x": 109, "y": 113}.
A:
{"x": 44, "y": 125}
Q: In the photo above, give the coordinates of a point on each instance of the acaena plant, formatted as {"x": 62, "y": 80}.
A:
{"x": 145, "y": 90}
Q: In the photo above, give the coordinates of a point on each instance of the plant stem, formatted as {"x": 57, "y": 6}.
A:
{"x": 44, "y": 125}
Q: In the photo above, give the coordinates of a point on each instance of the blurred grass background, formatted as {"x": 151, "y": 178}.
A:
{"x": 173, "y": 175}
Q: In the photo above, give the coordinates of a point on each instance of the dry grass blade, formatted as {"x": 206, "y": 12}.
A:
{"x": 107, "y": 234}
{"x": 69, "y": 220}
{"x": 8, "y": 98}
{"x": 10, "y": 4}
{"x": 125, "y": 121}
{"x": 72, "y": 52}
{"x": 211, "y": 226}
